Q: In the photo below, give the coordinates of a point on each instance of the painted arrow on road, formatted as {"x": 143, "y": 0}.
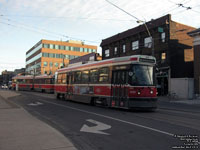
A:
{"x": 97, "y": 128}
{"x": 35, "y": 104}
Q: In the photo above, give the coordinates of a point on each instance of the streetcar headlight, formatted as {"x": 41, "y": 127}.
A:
{"x": 151, "y": 92}
{"x": 138, "y": 93}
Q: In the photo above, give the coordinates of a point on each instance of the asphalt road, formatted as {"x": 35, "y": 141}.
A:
{"x": 99, "y": 128}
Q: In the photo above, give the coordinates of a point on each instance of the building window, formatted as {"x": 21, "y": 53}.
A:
{"x": 71, "y": 57}
{"x": 57, "y": 55}
{"x": 45, "y": 54}
{"x": 56, "y": 46}
{"x": 62, "y": 47}
{"x": 45, "y": 63}
{"x": 115, "y": 51}
{"x": 81, "y": 49}
{"x": 61, "y": 64}
{"x": 135, "y": 45}
{"x": 90, "y": 50}
{"x": 72, "y": 48}
{"x": 56, "y": 64}
{"x": 124, "y": 48}
{"x": 66, "y": 56}
{"x": 50, "y": 64}
{"x": 188, "y": 55}
{"x": 163, "y": 57}
{"x": 51, "y": 46}
{"x": 163, "y": 37}
{"x": 85, "y": 50}
{"x": 45, "y": 45}
{"x": 62, "y": 56}
{"x": 67, "y": 48}
{"x": 148, "y": 42}
{"x": 107, "y": 53}
{"x": 77, "y": 49}
{"x": 51, "y": 55}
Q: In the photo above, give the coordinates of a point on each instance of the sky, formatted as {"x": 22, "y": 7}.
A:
{"x": 23, "y": 23}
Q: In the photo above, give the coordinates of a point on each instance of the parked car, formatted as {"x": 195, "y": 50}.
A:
{"x": 4, "y": 86}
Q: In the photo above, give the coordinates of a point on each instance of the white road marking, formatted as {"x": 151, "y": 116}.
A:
{"x": 97, "y": 128}
{"x": 116, "y": 119}
{"x": 35, "y": 104}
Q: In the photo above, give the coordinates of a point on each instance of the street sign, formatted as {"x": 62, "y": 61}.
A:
{"x": 95, "y": 129}
{"x": 160, "y": 29}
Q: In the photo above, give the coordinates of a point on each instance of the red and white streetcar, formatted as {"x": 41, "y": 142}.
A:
{"x": 124, "y": 82}
{"x": 42, "y": 83}
{"x": 22, "y": 82}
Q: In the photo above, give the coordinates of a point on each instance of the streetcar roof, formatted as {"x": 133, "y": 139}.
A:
{"x": 134, "y": 59}
{"x": 44, "y": 76}
{"x": 23, "y": 77}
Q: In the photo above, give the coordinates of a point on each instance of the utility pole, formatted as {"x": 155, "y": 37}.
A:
{"x": 63, "y": 60}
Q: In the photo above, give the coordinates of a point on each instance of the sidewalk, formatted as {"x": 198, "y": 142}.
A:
{"x": 181, "y": 101}
{"x": 21, "y": 131}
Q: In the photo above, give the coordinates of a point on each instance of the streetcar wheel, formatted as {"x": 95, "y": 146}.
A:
{"x": 58, "y": 96}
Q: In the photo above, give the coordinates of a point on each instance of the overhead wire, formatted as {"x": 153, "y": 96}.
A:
{"x": 42, "y": 31}
{"x": 84, "y": 18}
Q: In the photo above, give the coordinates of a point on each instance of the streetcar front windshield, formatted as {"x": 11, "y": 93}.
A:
{"x": 141, "y": 75}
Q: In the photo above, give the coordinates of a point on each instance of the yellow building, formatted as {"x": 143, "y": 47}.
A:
{"x": 47, "y": 56}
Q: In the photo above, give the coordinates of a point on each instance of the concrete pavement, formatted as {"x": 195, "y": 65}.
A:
{"x": 180, "y": 101}
{"x": 21, "y": 131}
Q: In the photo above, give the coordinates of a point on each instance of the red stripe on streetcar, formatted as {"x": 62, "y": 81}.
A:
{"x": 134, "y": 59}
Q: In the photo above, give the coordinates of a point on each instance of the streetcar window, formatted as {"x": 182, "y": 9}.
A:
{"x": 42, "y": 81}
{"x": 94, "y": 75}
{"x": 47, "y": 81}
{"x": 85, "y": 76}
{"x": 103, "y": 74}
{"x": 64, "y": 78}
{"x": 77, "y": 77}
{"x": 59, "y": 78}
{"x": 36, "y": 81}
{"x": 28, "y": 81}
{"x": 20, "y": 80}
{"x": 52, "y": 81}
{"x": 141, "y": 75}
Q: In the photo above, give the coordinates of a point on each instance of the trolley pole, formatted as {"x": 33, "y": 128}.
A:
{"x": 152, "y": 40}
{"x": 138, "y": 21}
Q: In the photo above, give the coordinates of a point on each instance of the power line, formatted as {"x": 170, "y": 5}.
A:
{"x": 137, "y": 19}
{"x": 84, "y": 18}
{"x": 9, "y": 24}
{"x": 42, "y": 31}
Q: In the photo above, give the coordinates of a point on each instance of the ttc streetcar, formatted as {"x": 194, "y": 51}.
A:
{"x": 42, "y": 83}
{"x": 123, "y": 82}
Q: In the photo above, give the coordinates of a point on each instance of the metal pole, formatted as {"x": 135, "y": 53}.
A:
{"x": 152, "y": 40}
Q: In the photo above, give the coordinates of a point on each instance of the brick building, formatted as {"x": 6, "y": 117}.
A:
{"x": 47, "y": 56}
{"x": 6, "y": 76}
{"x": 196, "y": 35}
{"x": 171, "y": 46}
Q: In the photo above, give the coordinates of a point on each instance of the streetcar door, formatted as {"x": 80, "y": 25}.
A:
{"x": 69, "y": 86}
{"x": 119, "y": 88}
